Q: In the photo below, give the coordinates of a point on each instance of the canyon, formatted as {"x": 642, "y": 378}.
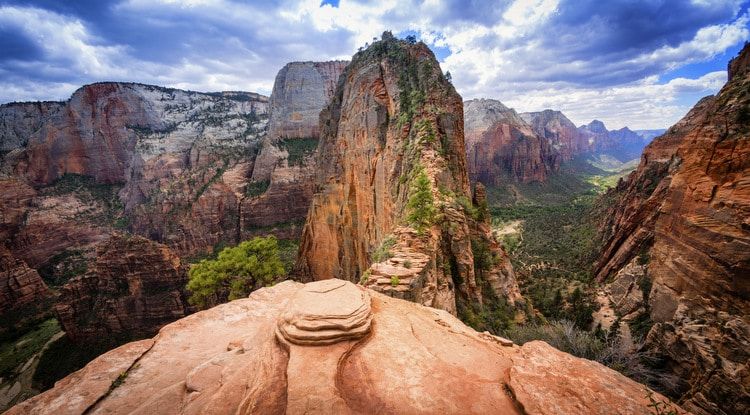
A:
{"x": 503, "y": 146}
{"x": 383, "y": 173}
{"x": 683, "y": 213}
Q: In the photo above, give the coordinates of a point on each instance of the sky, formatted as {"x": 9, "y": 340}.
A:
{"x": 641, "y": 64}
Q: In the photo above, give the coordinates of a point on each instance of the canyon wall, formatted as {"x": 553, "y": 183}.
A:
{"x": 684, "y": 212}
{"x": 501, "y": 146}
{"x": 133, "y": 287}
{"x": 333, "y": 347}
{"x": 393, "y": 208}
{"x": 285, "y": 168}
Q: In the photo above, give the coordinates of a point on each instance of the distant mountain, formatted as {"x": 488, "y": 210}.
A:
{"x": 623, "y": 144}
{"x": 649, "y": 135}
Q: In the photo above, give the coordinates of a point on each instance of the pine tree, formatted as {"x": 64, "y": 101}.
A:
{"x": 421, "y": 205}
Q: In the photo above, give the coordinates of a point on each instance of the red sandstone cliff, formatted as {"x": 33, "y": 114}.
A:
{"x": 393, "y": 120}
{"x": 500, "y": 145}
{"x": 133, "y": 288}
{"x": 285, "y": 168}
{"x": 685, "y": 211}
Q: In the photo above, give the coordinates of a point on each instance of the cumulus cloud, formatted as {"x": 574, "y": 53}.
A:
{"x": 611, "y": 61}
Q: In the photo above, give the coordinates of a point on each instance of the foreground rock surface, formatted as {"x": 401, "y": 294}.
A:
{"x": 685, "y": 213}
{"x": 405, "y": 358}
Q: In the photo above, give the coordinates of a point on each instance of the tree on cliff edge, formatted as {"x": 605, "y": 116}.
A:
{"x": 235, "y": 273}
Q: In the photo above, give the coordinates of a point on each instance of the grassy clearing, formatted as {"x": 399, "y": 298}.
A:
{"x": 14, "y": 353}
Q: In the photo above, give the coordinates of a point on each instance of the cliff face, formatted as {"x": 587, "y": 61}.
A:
{"x": 133, "y": 288}
{"x": 685, "y": 209}
{"x": 393, "y": 192}
{"x": 19, "y": 121}
{"x": 300, "y": 91}
{"x": 24, "y": 297}
{"x": 273, "y": 353}
{"x": 178, "y": 160}
{"x": 501, "y": 145}
{"x": 285, "y": 168}
{"x": 559, "y": 131}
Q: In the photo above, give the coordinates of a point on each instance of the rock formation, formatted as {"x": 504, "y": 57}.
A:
{"x": 133, "y": 288}
{"x": 333, "y": 347}
{"x": 622, "y": 144}
{"x": 591, "y": 140}
{"x": 685, "y": 211}
{"x": 560, "y": 132}
{"x": 500, "y": 145}
{"x": 20, "y": 120}
{"x": 178, "y": 160}
{"x": 393, "y": 208}
{"x": 285, "y": 168}
{"x": 24, "y": 297}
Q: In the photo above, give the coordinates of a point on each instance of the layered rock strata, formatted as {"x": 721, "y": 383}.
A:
{"x": 286, "y": 163}
{"x": 24, "y": 297}
{"x": 411, "y": 359}
{"x": 500, "y": 145}
{"x": 134, "y": 287}
{"x": 685, "y": 211}
{"x": 392, "y": 133}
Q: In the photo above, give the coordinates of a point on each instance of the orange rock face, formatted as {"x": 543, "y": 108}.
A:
{"x": 388, "y": 125}
{"x": 363, "y": 353}
{"x": 687, "y": 206}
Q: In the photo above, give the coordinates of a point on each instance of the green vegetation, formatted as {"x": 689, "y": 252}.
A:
{"x": 63, "y": 266}
{"x": 384, "y": 250}
{"x": 421, "y": 204}
{"x": 395, "y": 281}
{"x": 16, "y": 352}
{"x": 298, "y": 149}
{"x": 550, "y": 234}
{"x": 494, "y": 315}
{"x": 562, "y": 335}
{"x": 104, "y": 203}
{"x": 257, "y": 188}
{"x": 365, "y": 277}
{"x": 288, "y": 253}
{"x": 236, "y": 272}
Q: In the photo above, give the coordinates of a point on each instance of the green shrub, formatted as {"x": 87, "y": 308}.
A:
{"x": 365, "y": 277}
{"x": 407, "y": 264}
{"x": 236, "y": 271}
{"x": 562, "y": 335}
{"x": 384, "y": 251}
{"x": 298, "y": 149}
{"x": 257, "y": 187}
{"x": 395, "y": 281}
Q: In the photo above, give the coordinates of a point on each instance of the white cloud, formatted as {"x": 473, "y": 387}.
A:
{"x": 530, "y": 54}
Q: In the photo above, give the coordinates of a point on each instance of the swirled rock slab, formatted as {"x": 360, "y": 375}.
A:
{"x": 233, "y": 359}
{"x": 326, "y": 312}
